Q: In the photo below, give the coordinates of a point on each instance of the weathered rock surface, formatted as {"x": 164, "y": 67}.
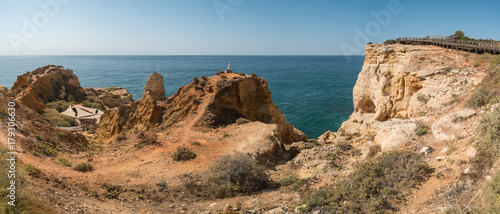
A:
{"x": 207, "y": 102}
{"x": 3, "y": 89}
{"x": 154, "y": 89}
{"x": 110, "y": 97}
{"x": 46, "y": 84}
{"x": 405, "y": 81}
{"x": 144, "y": 114}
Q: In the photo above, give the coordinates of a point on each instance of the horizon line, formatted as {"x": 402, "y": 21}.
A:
{"x": 183, "y": 55}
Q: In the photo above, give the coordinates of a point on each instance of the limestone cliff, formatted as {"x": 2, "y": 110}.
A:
{"x": 402, "y": 84}
{"x": 46, "y": 84}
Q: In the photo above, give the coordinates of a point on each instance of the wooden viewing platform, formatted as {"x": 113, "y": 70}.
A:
{"x": 451, "y": 42}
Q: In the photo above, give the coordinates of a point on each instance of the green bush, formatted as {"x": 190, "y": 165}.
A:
{"x": 64, "y": 162}
{"x": 183, "y": 154}
{"x": 90, "y": 102}
{"x": 374, "y": 186}
{"x": 236, "y": 173}
{"x": 293, "y": 181}
{"x": 421, "y": 129}
{"x": 84, "y": 167}
{"x": 46, "y": 150}
{"x": 60, "y": 105}
{"x": 33, "y": 171}
{"x": 390, "y": 42}
{"x": 459, "y": 34}
{"x": 58, "y": 119}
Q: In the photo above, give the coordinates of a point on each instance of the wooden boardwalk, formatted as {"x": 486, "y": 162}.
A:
{"x": 492, "y": 47}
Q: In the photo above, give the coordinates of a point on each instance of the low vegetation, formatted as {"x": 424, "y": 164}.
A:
{"x": 42, "y": 149}
{"x": 374, "y": 187}
{"x": 488, "y": 91}
{"x": 25, "y": 201}
{"x": 58, "y": 119}
{"x": 145, "y": 139}
{"x": 374, "y": 150}
{"x": 489, "y": 128}
{"x": 183, "y": 154}
{"x": 33, "y": 171}
{"x": 492, "y": 195}
{"x": 421, "y": 129}
{"x": 64, "y": 162}
{"x": 390, "y": 42}
{"x": 232, "y": 174}
{"x": 294, "y": 181}
{"x": 83, "y": 167}
{"x": 112, "y": 191}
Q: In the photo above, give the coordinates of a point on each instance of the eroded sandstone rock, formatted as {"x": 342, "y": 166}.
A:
{"x": 46, "y": 84}
{"x": 3, "y": 89}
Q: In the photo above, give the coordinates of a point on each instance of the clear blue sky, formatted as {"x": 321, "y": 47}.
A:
{"x": 249, "y": 27}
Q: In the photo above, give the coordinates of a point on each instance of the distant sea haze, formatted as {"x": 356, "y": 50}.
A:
{"x": 314, "y": 92}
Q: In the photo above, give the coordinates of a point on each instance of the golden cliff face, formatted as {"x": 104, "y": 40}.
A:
{"x": 46, "y": 84}
{"x": 207, "y": 102}
{"x": 401, "y": 85}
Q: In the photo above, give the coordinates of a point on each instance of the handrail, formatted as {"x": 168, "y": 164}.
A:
{"x": 453, "y": 43}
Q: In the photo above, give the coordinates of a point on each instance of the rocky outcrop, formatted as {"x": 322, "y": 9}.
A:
{"x": 248, "y": 97}
{"x": 110, "y": 97}
{"x": 46, "y": 84}
{"x": 207, "y": 102}
{"x": 3, "y": 90}
{"x": 154, "y": 89}
{"x": 144, "y": 114}
{"x": 405, "y": 81}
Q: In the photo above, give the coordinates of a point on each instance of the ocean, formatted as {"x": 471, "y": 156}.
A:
{"x": 313, "y": 92}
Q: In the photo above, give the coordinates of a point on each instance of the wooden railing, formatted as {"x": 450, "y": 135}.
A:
{"x": 492, "y": 47}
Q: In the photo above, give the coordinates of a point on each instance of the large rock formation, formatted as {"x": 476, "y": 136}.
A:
{"x": 144, "y": 114}
{"x": 398, "y": 82}
{"x": 46, "y": 84}
{"x": 110, "y": 97}
{"x": 208, "y": 102}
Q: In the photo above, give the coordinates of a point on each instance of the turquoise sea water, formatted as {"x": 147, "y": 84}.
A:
{"x": 314, "y": 92}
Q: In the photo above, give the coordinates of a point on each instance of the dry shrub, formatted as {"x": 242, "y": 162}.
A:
{"x": 374, "y": 186}
{"x": 492, "y": 195}
{"x": 374, "y": 150}
{"x": 26, "y": 202}
{"x": 84, "y": 167}
{"x": 489, "y": 128}
{"x": 487, "y": 92}
{"x": 183, "y": 154}
{"x": 236, "y": 173}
